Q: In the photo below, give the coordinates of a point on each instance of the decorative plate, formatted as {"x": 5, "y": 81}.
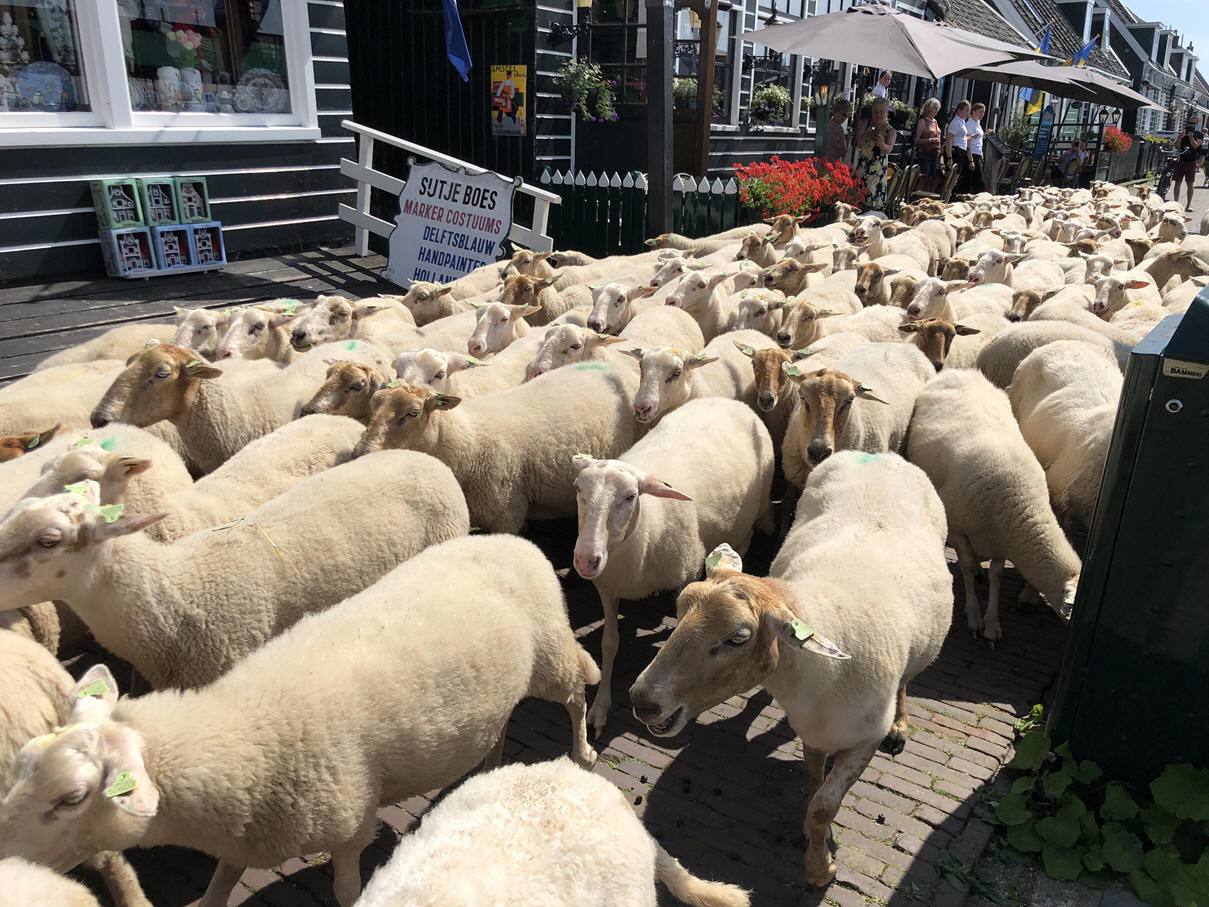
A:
{"x": 8, "y": 94}
{"x": 46, "y": 86}
{"x": 261, "y": 91}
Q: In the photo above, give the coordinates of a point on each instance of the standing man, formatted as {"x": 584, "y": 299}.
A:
{"x": 882, "y": 84}
{"x": 1190, "y": 148}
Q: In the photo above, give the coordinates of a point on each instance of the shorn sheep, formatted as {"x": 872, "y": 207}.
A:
{"x": 159, "y": 606}
{"x": 1064, "y": 395}
{"x": 646, "y": 519}
{"x": 964, "y": 437}
{"x": 511, "y": 450}
{"x": 549, "y": 833}
{"x": 35, "y": 695}
{"x": 381, "y": 698}
{"x": 869, "y": 528}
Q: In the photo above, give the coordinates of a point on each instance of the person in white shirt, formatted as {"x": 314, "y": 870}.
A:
{"x": 957, "y": 147}
{"x": 882, "y": 84}
{"x": 974, "y": 134}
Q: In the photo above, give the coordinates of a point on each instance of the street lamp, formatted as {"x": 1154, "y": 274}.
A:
{"x": 1116, "y": 117}
{"x": 1102, "y": 116}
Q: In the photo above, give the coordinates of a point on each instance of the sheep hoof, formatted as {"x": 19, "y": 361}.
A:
{"x": 893, "y": 743}
{"x": 821, "y": 879}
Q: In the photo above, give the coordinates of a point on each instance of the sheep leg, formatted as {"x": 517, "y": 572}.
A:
{"x": 816, "y": 767}
{"x": 119, "y": 878}
{"x": 598, "y": 714}
{"x": 493, "y": 758}
{"x": 1029, "y": 598}
{"x": 824, "y": 804}
{"x": 577, "y": 707}
{"x": 221, "y": 884}
{"x": 896, "y": 741}
{"x": 991, "y": 628}
{"x": 346, "y": 868}
{"x": 969, "y": 567}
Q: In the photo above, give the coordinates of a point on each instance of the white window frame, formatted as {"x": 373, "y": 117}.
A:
{"x": 112, "y": 121}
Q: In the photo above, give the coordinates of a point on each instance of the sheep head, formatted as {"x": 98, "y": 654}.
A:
{"x": 955, "y": 268}
{"x": 13, "y": 446}
{"x": 331, "y": 319}
{"x": 826, "y": 398}
{"x": 249, "y": 330}
{"x": 523, "y": 290}
{"x": 730, "y": 633}
{"x": 346, "y": 391}
{"x": 612, "y": 306}
{"x": 934, "y": 337}
{"x": 770, "y": 379}
{"x": 402, "y": 416}
{"x": 870, "y": 286}
{"x": 759, "y": 311}
{"x": 200, "y": 330}
{"x": 800, "y": 323}
{"x": 565, "y": 344}
{"x": 431, "y": 368}
{"x": 158, "y": 383}
{"x": 423, "y": 300}
{"x": 497, "y": 324}
{"x": 665, "y": 380}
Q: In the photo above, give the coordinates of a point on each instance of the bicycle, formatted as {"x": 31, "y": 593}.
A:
{"x": 1166, "y": 176}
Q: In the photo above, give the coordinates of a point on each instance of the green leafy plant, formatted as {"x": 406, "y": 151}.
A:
{"x": 769, "y": 104}
{"x": 578, "y": 79}
{"x": 1156, "y": 139}
{"x": 683, "y": 87}
{"x": 1086, "y": 828}
{"x": 910, "y": 112}
{"x": 1017, "y": 132}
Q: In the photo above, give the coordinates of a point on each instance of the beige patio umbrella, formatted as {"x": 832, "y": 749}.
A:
{"x": 878, "y": 36}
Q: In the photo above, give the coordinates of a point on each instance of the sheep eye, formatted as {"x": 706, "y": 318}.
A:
{"x": 847, "y": 403}
{"x": 676, "y": 374}
{"x": 620, "y": 300}
{"x": 576, "y": 346}
{"x": 438, "y": 376}
{"x": 49, "y": 541}
{"x": 502, "y": 321}
{"x": 163, "y": 372}
{"x": 805, "y": 405}
{"x": 741, "y": 637}
{"x": 256, "y": 328}
{"x": 75, "y": 798}
{"x": 631, "y": 497}
{"x": 359, "y": 386}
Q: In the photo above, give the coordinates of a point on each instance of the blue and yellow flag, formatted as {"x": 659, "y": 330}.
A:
{"x": 1080, "y": 59}
{"x": 1027, "y": 94}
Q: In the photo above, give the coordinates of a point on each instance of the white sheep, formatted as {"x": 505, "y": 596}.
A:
{"x": 614, "y": 305}
{"x": 1009, "y": 269}
{"x": 758, "y": 248}
{"x": 647, "y": 519}
{"x": 31, "y": 885}
{"x": 496, "y": 326}
{"x": 346, "y": 390}
{"x": 705, "y": 296}
{"x": 116, "y": 343}
{"x": 869, "y": 529}
{"x": 387, "y": 695}
{"x": 64, "y": 394}
{"x": 935, "y": 298}
{"x": 1064, "y": 396}
{"x": 1121, "y": 290}
{"x": 261, "y": 331}
{"x": 953, "y": 345}
{"x": 793, "y": 277}
{"x": 669, "y": 377}
{"x": 334, "y": 318}
{"x": 511, "y": 450}
{"x": 873, "y": 281}
{"x": 922, "y": 248}
{"x": 999, "y": 358}
{"x": 430, "y": 301}
{"x": 862, "y": 402}
{"x": 216, "y": 418}
{"x": 565, "y": 344}
{"x": 801, "y": 325}
{"x": 35, "y": 695}
{"x": 758, "y": 310}
{"x": 166, "y": 608}
{"x": 200, "y": 330}
{"x": 964, "y": 437}
{"x": 658, "y": 325}
{"x": 430, "y": 368}
{"x": 507, "y": 838}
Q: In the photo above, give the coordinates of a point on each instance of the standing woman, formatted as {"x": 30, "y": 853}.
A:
{"x": 956, "y": 148}
{"x": 927, "y": 143}
{"x": 873, "y": 147}
{"x": 837, "y": 135}
{"x": 974, "y": 134}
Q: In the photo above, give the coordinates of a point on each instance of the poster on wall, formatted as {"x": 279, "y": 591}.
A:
{"x": 449, "y": 223}
{"x": 508, "y": 100}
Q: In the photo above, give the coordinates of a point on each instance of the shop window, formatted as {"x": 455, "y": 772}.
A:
{"x": 219, "y": 56}
{"x": 617, "y": 41}
{"x": 41, "y": 65}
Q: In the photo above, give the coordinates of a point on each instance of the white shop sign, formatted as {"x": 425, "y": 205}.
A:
{"x": 449, "y": 223}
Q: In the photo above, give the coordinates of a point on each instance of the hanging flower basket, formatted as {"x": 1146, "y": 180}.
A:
{"x": 768, "y": 105}
{"x": 588, "y": 91}
{"x": 1115, "y": 141}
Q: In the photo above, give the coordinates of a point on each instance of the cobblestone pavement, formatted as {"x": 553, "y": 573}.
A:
{"x": 727, "y": 796}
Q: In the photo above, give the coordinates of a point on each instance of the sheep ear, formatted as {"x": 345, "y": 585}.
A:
{"x": 195, "y": 368}
{"x": 952, "y": 286}
{"x": 127, "y": 784}
{"x": 444, "y": 290}
{"x": 547, "y": 281}
{"x": 775, "y": 304}
{"x": 792, "y": 372}
{"x": 112, "y": 520}
{"x": 815, "y": 266}
{"x": 718, "y": 278}
{"x": 724, "y": 557}
{"x": 797, "y": 634}
{"x": 98, "y": 685}
{"x": 744, "y": 349}
{"x": 826, "y": 313}
{"x": 608, "y": 339}
{"x": 1136, "y": 285}
{"x": 699, "y": 360}
{"x": 542, "y": 256}
{"x": 911, "y": 327}
{"x": 365, "y": 309}
{"x": 441, "y": 401}
{"x": 522, "y": 311}
{"x": 650, "y": 243}
{"x": 456, "y": 362}
{"x": 659, "y": 489}
{"x": 965, "y": 331}
{"x": 636, "y": 353}
{"x": 865, "y": 392}
{"x": 281, "y": 318}
{"x": 582, "y": 460}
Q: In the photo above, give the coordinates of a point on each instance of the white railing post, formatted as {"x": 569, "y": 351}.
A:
{"x": 365, "y": 157}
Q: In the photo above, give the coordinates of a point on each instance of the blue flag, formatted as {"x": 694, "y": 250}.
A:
{"x": 455, "y": 40}
{"x": 1026, "y": 94}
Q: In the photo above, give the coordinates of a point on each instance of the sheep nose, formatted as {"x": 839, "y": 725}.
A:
{"x": 642, "y": 411}
{"x": 672, "y": 300}
{"x": 98, "y": 421}
{"x": 532, "y": 372}
{"x": 860, "y": 291}
{"x": 597, "y": 326}
{"x": 818, "y": 452}
{"x": 586, "y": 565}
{"x": 298, "y": 337}
{"x": 1013, "y": 316}
{"x": 475, "y": 348}
{"x": 644, "y": 706}
{"x": 938, "y": 365}
{"x": 307, "y": 411}
{"x": 225, "y": 354}
{"x": 783, "y": 339}
{"x": 766, "y": 401}
{"x": 768, "y": 281}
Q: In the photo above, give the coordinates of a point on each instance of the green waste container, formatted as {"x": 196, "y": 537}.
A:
{"x": 1133, "y": 692}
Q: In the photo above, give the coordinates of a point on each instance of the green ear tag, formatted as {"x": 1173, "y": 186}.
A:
{"x": 192, "y": 364}
{"x": 33, "y": 442}
{"x": 76, "y": 488}
{"x": 290, "y": 307}
{"x": 97, "y": 689}
{"x": 84, "y": 442}
{"x": 124, "y": 783}
{"x": 794, "y": 371}
{"x": 800, "y": 630}
{"x": 107, "y": 444}
{"x": 394, "y": 383}
{"x": 472, "y": 360}
{"x": 111, "y": 512}
{"x": 713, "y": 560}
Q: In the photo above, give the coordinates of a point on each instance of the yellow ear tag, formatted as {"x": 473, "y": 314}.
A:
{"x": 124, "y": 783}
{"x": 801, "y": 630}
{"x": 97, "y": 689}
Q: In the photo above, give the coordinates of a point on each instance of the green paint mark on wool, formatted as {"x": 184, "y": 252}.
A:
{"x": 590, "y": 367}
{"x": 107, "y": 444}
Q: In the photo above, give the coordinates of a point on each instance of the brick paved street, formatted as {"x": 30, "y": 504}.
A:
{"x": 727, "y": 797}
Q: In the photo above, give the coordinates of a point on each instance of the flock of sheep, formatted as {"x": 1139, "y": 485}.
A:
{"x": 297, "y": 522}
